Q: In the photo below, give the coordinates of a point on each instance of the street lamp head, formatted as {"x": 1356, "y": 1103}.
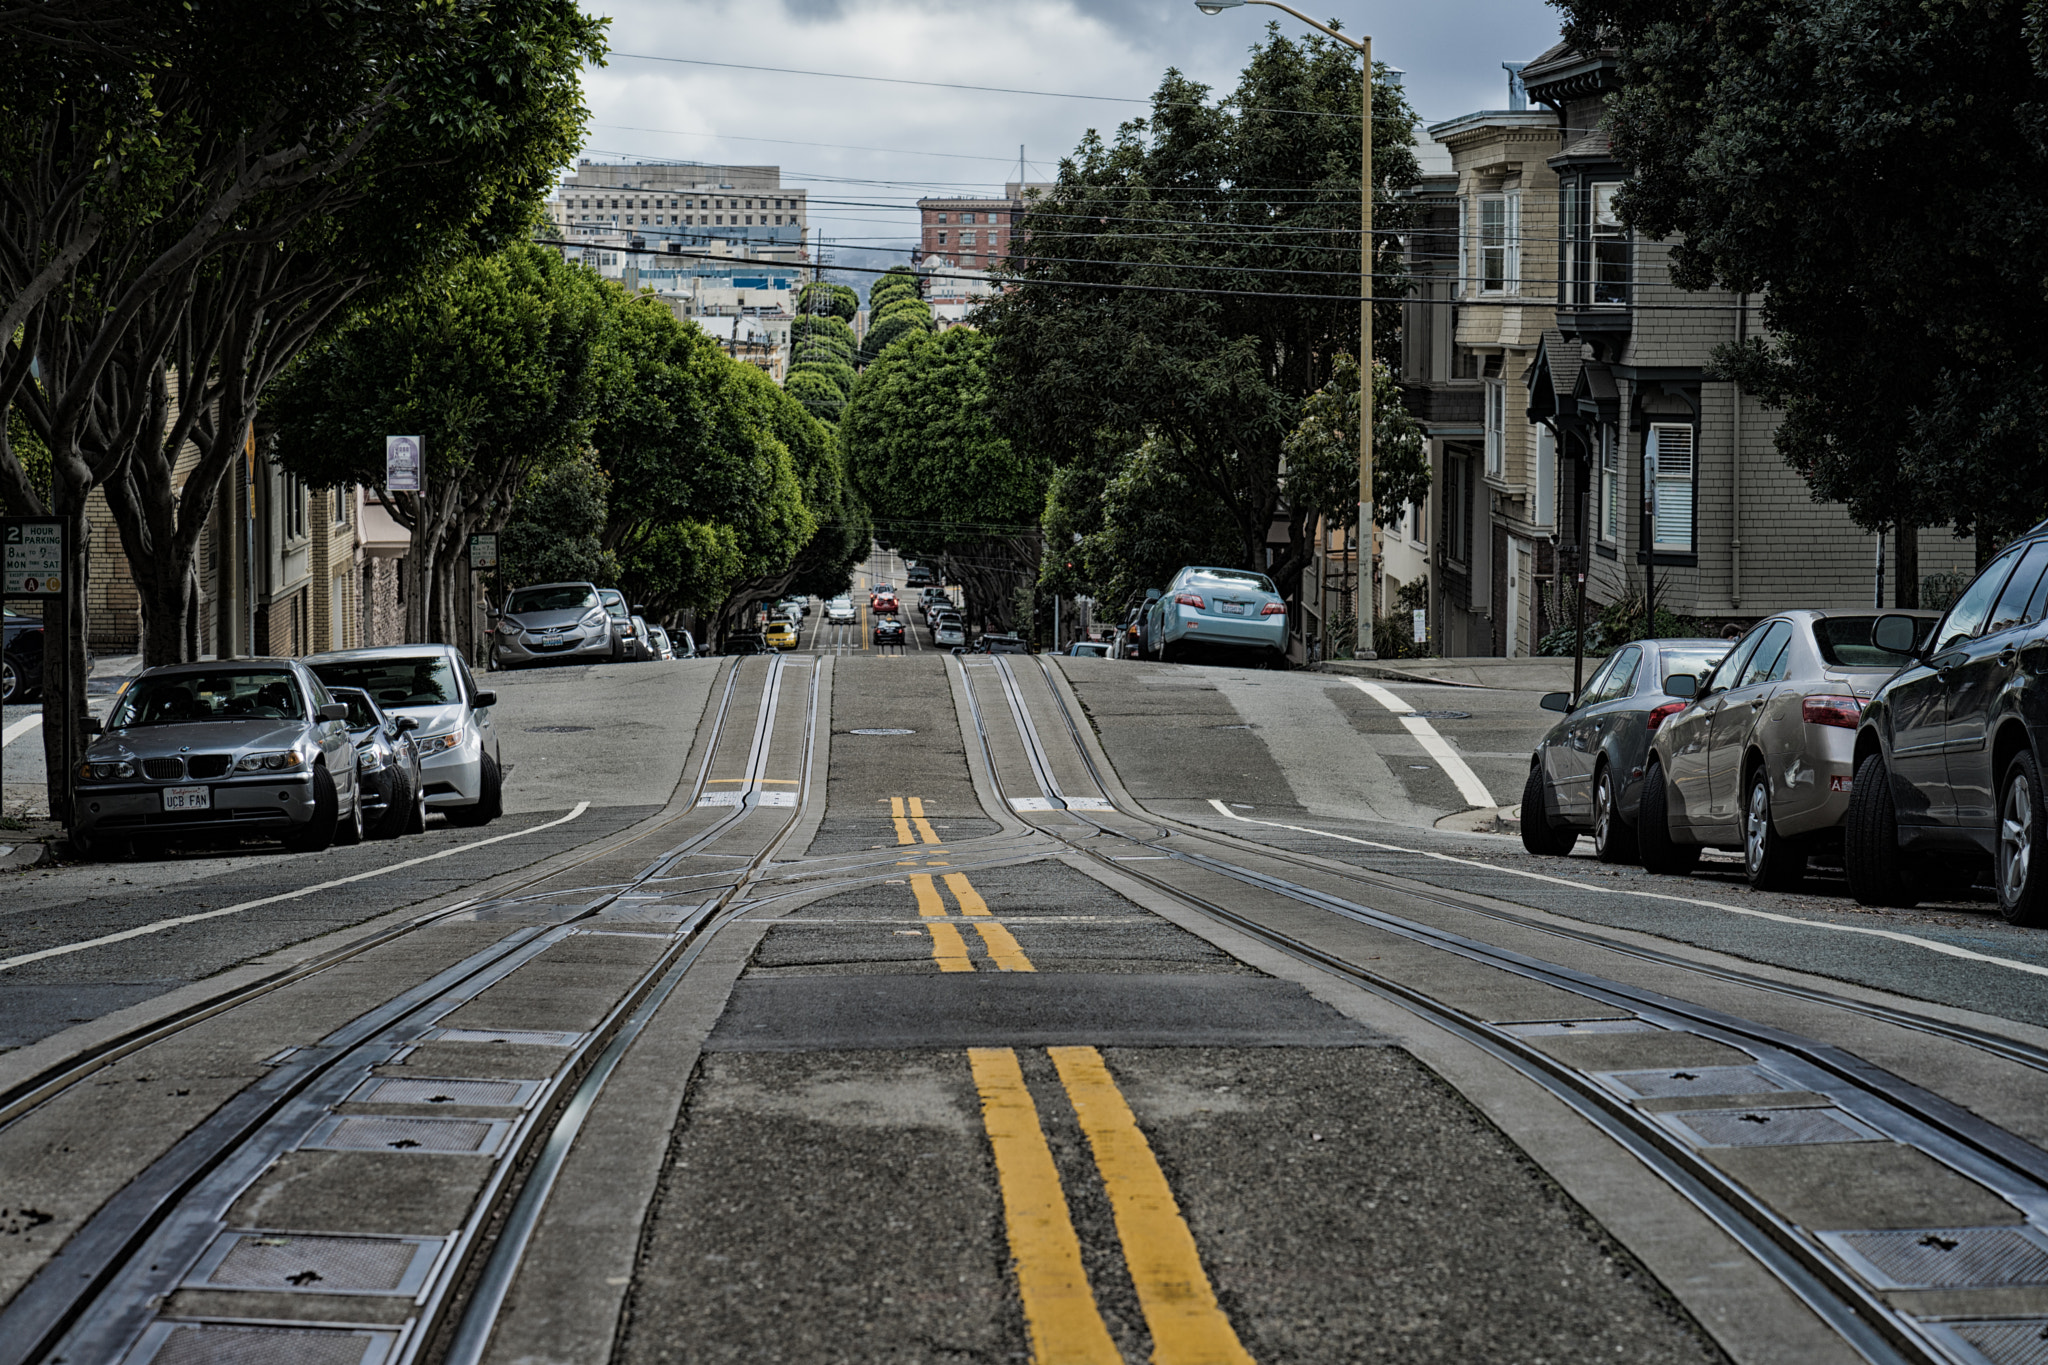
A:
{"x": 1216, "y": 6}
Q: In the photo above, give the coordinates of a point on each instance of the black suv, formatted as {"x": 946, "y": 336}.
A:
{"x": 1946, "y": 770}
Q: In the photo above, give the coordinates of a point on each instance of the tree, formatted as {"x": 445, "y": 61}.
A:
{"x": 502, "y": 365}
{"x": 908, "y": 315}
{"x": 925, "y": 452}
{"x": 556, "y": 530}
{"x": 898, "y": 281}
{"x": 1188, "y": 283}
{"x": 825, "y": 299}
{"x": 1321, "y": 481}
{"x": 1874, "y": 171}
{"x": 1114, "y": 528}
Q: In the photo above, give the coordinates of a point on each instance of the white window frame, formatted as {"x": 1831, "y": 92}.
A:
{"x": 1671, "y": 461}
{"x": 1465, "y": 281}
{"x": 1493, "y": 243}
{"x": 1605, "y": 228}
{"x": 1610, "y": 488}
{"x": 1495, "y": 422}
{"x": 1513, "y": 262}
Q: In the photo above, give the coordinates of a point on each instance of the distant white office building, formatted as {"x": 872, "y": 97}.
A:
{"x": 693, "y": 206}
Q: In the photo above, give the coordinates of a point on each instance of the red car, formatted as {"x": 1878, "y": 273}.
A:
{"x": 885, "y": 601}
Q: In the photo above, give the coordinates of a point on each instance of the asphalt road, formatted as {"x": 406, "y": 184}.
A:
{"x": 878, "y": 1053}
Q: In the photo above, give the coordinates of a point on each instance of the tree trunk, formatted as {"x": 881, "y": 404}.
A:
{"x": 64, "y": 651}
{"x": 1905, "y": 566}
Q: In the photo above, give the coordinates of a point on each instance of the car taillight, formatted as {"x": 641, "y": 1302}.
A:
{"x": 1273, "y": 609}
{"x": 1846, "y": 712}
{"x": 1189, "y": 599}
{"x": 1660, "y": 714}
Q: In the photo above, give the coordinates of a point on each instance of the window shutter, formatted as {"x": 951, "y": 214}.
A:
{"x": 1671, "y": 456}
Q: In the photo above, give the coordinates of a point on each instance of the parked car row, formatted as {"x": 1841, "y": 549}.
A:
{"x": 328, "y": 749}
{"x": 557, "y": 623}
{"x": 1902, "y": 743}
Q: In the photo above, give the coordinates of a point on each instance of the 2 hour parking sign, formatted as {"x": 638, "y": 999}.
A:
{"x": 33, "y": 562}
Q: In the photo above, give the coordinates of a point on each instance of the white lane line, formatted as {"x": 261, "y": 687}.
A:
{"x": 1469, "y": 786}
{"x": 20, "y": 728}
{"x": 1932, "y": 945}
{"x": 159, "y": 926}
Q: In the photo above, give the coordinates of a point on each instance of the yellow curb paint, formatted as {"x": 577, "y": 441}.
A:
{"x": 1188, "y": 1326}
{"x": 1060, "y": 1312}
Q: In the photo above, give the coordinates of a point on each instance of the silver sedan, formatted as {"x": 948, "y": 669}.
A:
{"x": 458, "y": 742}
{"x": 1761, "y": 758}
{"x": 256, "y": 746}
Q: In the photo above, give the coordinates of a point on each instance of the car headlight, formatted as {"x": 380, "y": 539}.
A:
{"x": 434, "y": 744}
{"x": 509, "y": 627}
{"x": 369, "y": 760}
{"x": 106, "y": 772}
{"x": 280, "y": 759}
{"x": 593, "y": 618}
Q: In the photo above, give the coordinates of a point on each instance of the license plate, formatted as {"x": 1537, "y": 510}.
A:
{"x": 1231, "y": 608}
{"x": 188, "y": 798}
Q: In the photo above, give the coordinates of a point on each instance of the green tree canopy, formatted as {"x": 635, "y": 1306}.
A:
{"x": 1322, "y": 452}
{"x": 904, "y": 322}
{"x": 556, "y": 531}
{"x": 825, "y": 299}
{"x": 1250, "y": 206}
{"x": 926, "y": 454}
{"x": 1875, "y": 172}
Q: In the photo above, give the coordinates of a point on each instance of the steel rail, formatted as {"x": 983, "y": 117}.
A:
{"x": 1856, "y": 1313}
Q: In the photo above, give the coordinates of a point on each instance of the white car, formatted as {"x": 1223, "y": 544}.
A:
{"x": 457, "y": 740}
{"x": 839, "y": 611}
{"x": 948, "y": 632}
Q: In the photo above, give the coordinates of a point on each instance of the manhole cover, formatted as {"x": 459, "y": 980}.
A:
{"x": 556, "y": 729}
{"x": 1436, "y": 715}
{"x": 882, "y": 731}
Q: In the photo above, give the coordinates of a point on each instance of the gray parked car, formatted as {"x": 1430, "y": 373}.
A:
{"x": 551, "y": 623}
{"x": 1585, "y": 775}
{"x": 388, "y": 762}
{"x": 253, "y": 746}
{"x": 458, "y": 742}
{"x": 1762, "y": 758}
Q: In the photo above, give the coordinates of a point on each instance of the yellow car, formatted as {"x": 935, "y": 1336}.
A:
{"x": 782, "y": 635}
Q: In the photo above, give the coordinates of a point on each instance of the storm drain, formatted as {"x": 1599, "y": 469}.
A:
{"x": 1699, "y": 1080}
{"x": 360, "y": 1133}
{"x": 206, "y": 1343}
{"x": 1768, "y": 1127}
{"x": 1562, "y": 1028}
{"x": 316, "y": 1264}
{"x": 434, "y": 1090}
{"x": 2008, "y": 1341}
{"x": 1945, "y": 1258}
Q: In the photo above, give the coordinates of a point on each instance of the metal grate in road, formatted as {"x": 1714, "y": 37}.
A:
{"x": 1767, "y": 1127}
{"x": 441, "y": 1090}
{"x": 364, "y": 1133}
{"x": 2003, "y": 1341}
{"x": 518, "y": 1037}
{"x": 1945, "y": 1258}
{"x": 309, "y": 1263}
{"x": 1564, "y": 1028}
{"x": 196, "y": 1343}
{"x": 1698, "y": 1080}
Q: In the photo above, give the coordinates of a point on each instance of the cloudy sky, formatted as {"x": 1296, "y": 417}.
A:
{"x": 866, "y": 150}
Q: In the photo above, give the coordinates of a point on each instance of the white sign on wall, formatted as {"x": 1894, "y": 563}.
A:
{"x": 404, "y": 464}
{"x": 1421, "y": 626}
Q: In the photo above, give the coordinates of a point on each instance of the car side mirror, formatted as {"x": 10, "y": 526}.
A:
{"x": 334, "y": 710}
{"x": 1556, "y": 701}
{"x": 405, "y": 723}
{"x": 1682, "y": 685}
{"x": 1897, "y": 633}
{"x": 483, "y": 699}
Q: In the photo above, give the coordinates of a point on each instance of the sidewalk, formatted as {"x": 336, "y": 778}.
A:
{"x": 1512, "y": 675}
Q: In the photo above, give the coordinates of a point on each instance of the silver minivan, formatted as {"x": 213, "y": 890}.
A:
{"x": 457, "y": 739}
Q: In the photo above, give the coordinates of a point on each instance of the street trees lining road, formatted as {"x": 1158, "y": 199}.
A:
{"x": 1257, "y": 193}
{"x": 1872, "y": 172}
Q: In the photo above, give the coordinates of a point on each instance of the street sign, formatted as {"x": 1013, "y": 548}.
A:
{"x": 1421, "y": 618}
{"x": 483, "y": 550}
{"x": 404, "y": 464}
{"x": 34, "y": 556}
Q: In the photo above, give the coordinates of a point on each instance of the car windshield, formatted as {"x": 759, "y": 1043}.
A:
{"x": 422, "y": 680}
{"x": 219, "y": 694}
{"x": 1845, "y": 643}
{"x": 1692, "y": 661}
{"x": 1230, "y": 578}
{"x": 571, "y": 598}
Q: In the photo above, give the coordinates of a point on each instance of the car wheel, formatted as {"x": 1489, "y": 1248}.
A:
{"x": 1660, "y": 852}
{"x": 318, "y": 832}
{"x": 1539, "y": 835}
{"x": 398, "y": 803}
{"x": 10, "y": 683}
{"x": 348, "y": 830}
{"x": 489, "y": 803}
{"x": 1876, "y": 867}
{"x": 1770, "y": 861}
{"x": 2022, "y": 830}
{"x": 1614, "y": 840}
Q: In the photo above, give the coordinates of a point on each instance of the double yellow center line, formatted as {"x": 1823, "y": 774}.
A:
{"x": 912, "y": 817}
{"x": 949, "y": 949}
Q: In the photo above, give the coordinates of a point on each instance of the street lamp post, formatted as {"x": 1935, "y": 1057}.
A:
{"x": 1363, "y": 47}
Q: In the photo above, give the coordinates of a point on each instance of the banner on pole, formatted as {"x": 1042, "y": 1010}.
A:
{"x": 404, "y": 464}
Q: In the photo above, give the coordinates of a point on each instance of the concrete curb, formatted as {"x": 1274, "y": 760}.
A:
{"x": 17, "y": 857}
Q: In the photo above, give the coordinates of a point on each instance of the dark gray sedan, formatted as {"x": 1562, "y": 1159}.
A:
{"x": 1586, "y": 773}
{"x": 256, "y": 746}
{"x": 388, "y": 762}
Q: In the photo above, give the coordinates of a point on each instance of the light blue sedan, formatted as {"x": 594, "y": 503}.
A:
{"x": 1216, "y": 609}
